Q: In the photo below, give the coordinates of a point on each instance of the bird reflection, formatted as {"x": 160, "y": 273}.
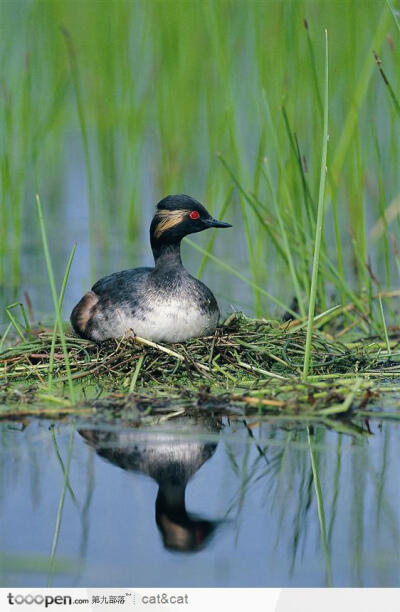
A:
{"x": 170, "y": 454}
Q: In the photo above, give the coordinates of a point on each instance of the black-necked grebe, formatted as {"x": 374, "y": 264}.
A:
{"x": 164, "y": 303}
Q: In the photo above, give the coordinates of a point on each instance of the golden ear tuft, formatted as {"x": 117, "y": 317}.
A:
{"x": 167, "y": 219}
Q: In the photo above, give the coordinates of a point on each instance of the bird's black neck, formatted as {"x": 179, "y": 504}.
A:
{"x": 167, "y": 255}
{"x": 171, "y": 498}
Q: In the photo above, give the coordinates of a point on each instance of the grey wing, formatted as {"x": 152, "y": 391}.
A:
{"x": 205, "y": 298}
{"x": 119, "y": 281}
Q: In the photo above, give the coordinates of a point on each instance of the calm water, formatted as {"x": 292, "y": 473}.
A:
{"x": 198, "y": 503}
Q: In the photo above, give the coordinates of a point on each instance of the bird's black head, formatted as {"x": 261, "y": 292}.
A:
{"x": 177, "y": 216}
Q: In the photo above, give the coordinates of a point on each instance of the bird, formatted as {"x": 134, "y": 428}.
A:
{"x": 171, "y": 455}
{"x": 161, "y": 304}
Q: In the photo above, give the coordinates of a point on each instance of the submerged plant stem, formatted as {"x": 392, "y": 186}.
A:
{"x": 61, "y": 507}
{"x": 320, "y": 507}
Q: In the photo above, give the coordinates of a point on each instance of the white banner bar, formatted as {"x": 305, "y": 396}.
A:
{"x": 201, "y": 600}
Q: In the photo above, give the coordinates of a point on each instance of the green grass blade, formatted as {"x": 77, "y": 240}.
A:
{"x": 286, "y": 246}
{"x": 132, "y": 386}
{"x": 385, "y": 332}
{"x": 85, "y": 144}
{"x": 243, "y": 278}
{"x": 15, "y": 322}
{"x": 314, "y": 69}
{"x": 393, "y": 14}
{"x": 249, "y": 200}
{"x": 4, "y": 336}
{"x": 211, "y": 241}
{"x": 54, "y": 295}
{"x": 60, "y": 303}
{"x": 18, "y": 326}
{"x": 393, "y": 96}
{"x": 320, "y": 220}
{"x": 360, "y": 93}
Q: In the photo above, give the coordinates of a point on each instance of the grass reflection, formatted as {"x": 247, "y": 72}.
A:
{"x": 311, "y": 506}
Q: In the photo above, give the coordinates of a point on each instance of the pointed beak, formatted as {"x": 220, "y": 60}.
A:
{"x": 215, "y": 223}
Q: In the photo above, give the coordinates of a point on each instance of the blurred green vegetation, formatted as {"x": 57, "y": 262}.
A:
{"x": 141, "y": 97}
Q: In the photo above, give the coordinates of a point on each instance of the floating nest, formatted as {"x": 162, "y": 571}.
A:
{"x": 241, "y": 347}
{"x": 253, "y": 362}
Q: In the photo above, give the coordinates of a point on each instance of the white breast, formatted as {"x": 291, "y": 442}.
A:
{"x": 170, "y": 321}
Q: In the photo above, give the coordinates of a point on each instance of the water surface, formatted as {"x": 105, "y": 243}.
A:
{"x": 198, "y": 503}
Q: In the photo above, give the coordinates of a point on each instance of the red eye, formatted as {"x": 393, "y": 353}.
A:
{"x": 194, "y": 214}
